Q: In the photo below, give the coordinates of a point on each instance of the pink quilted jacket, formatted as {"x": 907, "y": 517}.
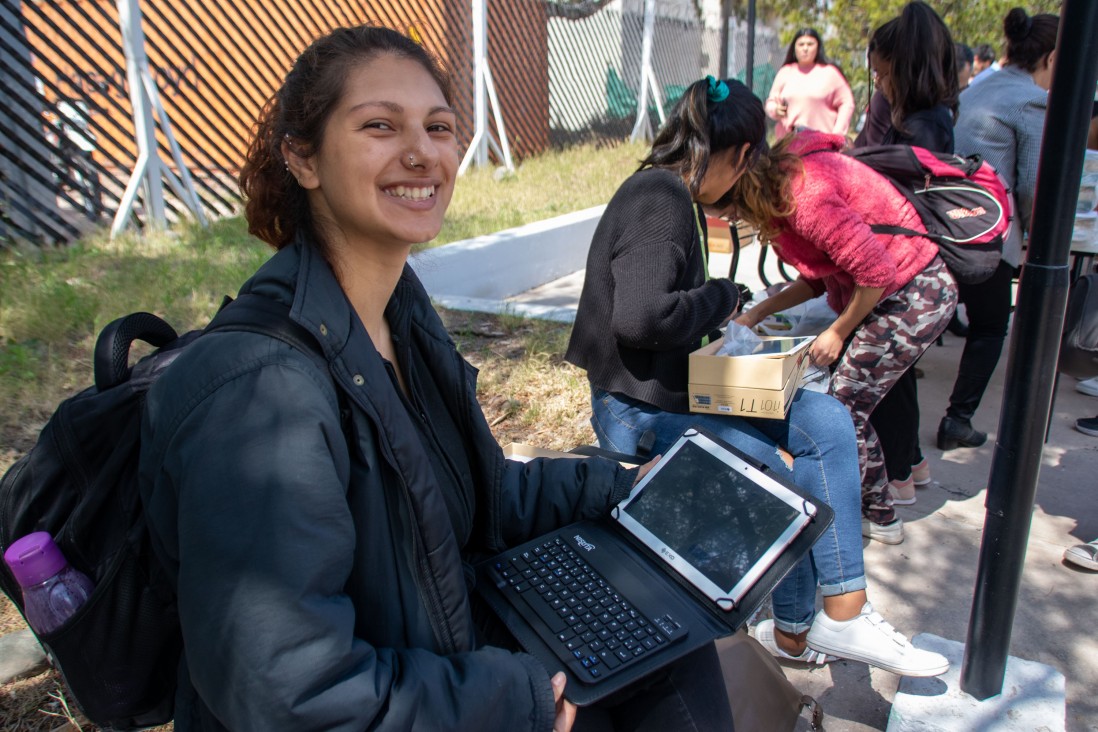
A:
{"x": 827, "y": 238}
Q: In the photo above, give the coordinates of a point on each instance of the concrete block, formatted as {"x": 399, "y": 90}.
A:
{"x": 1032, "y": 700}
{"x": 20, "y": 656}
{"x": 497, "y": 266}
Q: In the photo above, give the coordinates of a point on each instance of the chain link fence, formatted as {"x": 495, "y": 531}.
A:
{"x": 565, "y": 73}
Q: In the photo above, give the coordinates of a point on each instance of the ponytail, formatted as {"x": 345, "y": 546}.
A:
{"x": 702, "y": 124}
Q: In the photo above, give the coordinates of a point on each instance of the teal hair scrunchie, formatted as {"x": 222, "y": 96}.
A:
{"x": 718, "y": 90}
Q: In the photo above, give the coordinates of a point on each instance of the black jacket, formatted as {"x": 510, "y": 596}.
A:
{"x": 646, "y": 303}
{"x": 320, "y": 582}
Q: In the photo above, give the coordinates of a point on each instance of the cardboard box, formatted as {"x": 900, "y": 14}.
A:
{"x": 720, "y": 236}
{"x": 748, "y": 386}
{"x": 745, "y": 401}
{"x": 755, "y": 372}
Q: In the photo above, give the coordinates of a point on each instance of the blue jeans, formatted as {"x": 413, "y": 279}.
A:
{"x": 818, "y": 433}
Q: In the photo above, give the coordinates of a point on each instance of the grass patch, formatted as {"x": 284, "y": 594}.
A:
{"x": 54, "y": 302}
{"x": 542, "y": 187}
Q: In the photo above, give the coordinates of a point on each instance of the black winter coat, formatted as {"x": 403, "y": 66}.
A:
{"x": 321, "y": 584}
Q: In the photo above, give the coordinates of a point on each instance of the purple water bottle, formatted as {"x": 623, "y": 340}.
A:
{"x": 52, "y": 590}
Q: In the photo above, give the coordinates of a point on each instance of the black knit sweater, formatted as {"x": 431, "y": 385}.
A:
{"x": 646, "y": 303}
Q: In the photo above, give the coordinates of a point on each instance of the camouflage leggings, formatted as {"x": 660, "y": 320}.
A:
{"x": 882, "y": 348}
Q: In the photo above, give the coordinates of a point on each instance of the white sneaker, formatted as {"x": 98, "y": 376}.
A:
{"x": 892, "y": 533}
{"x": 1088, "y": 386}
{"x": 870, "y": 639}
{"x": 764, "y": 634}
{"x": 1083, "y": 555}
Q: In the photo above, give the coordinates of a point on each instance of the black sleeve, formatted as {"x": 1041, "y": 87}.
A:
{"x": 931, "y": 129}
{"x": 878, "y": 121}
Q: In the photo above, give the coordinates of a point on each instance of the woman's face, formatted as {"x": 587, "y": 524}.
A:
{"x": 805, "y": 50}
{"x": 725, "y": 168}
{"x": 882, "y": 74}
{"x": 384, "y": 173}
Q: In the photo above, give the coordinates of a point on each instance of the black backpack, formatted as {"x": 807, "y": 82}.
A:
{"x": 1079, "y": 345}
{"x": 962, "y": 201}
{"x": 79, "y": 482}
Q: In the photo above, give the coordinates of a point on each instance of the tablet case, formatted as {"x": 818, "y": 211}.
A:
{"x": 707, "y": 622}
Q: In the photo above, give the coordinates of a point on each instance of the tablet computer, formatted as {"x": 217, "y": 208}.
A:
{"x": 714, "y": 518}
{"x": 780, "y": 346}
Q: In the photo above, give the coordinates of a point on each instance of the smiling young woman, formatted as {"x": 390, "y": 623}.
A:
{"x": 314, "y": 517}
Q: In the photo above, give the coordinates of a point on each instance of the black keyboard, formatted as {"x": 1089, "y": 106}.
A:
{"x": 593, "y": 629}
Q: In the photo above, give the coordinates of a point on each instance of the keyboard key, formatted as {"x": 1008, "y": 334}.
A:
{"x": 610, "y": 659}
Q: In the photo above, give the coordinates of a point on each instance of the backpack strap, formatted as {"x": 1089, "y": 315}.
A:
{"x": 886, "y": 229}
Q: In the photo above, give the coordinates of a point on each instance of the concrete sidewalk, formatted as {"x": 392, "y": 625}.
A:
{"x": 925, "y": 584}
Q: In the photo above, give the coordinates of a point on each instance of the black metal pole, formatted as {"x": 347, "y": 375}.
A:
{"x": 1034, "y": 346}
{"x": 723, "y": 61}
{"x": 749, "y": 67}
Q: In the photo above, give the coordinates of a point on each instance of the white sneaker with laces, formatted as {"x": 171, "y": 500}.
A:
{"x": 870, "y": 639}
{"x": 1088, "y": 386}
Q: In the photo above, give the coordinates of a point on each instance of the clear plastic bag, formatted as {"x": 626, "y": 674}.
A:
{"x": 808, "y": 318}
{"x": 739, "y": 340}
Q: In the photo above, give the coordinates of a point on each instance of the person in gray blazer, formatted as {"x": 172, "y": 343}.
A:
{"x": 1002, "y": 120}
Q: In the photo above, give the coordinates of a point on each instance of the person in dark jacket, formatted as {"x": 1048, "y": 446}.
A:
{"x": 648, "y": 301}
{"x": 317, "y": 519}
{"x": 914, "y": 60}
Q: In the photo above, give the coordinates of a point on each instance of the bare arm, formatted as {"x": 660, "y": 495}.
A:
{"x": 798, "y": 291}
{"x": 828, "y": 345}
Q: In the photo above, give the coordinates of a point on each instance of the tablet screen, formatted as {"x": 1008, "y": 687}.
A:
{"x": 778, "y": 346}
{"x": 715, "y": 518}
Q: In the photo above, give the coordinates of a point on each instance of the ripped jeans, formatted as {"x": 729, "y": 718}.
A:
{"x": 818, "y": 433}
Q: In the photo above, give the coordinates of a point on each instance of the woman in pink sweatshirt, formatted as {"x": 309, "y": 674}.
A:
{"x": 893, "y": 294}
{"x": 809, "y": 91}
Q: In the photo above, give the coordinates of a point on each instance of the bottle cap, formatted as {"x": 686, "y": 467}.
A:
{"x": 34, "y": 558}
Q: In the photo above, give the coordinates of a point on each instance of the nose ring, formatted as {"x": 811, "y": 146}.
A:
{"x": 411, "y": 160}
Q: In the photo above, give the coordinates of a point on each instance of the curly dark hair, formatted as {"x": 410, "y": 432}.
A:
{"x": 277, "y": 208}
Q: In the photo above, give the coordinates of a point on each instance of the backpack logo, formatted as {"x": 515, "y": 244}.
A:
{"x": 966, "y": 213}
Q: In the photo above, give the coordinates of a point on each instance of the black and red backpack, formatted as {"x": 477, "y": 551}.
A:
{"x": 963, "y": 203}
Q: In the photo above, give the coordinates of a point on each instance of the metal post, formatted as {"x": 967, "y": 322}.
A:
{"x": 149, "y": 170}
{"x": 749, "y": 68}
{"x": 726, "y": 13}
{"x": 647, "y": 77}
{"x": 1034, "y": 345}
{"x": 483, "y": 90}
